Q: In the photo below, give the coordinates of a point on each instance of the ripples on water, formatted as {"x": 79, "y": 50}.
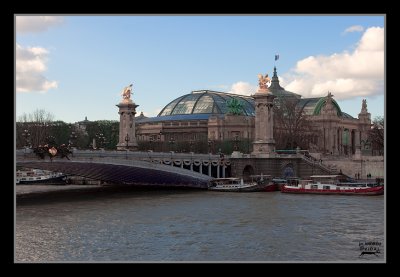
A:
{"x": 189, "y": 225}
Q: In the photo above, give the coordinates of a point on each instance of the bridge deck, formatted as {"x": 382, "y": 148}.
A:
{"x": 125, "y": 172}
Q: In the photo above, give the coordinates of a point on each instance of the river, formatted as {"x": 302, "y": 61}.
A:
{"x": 197, "y": 226}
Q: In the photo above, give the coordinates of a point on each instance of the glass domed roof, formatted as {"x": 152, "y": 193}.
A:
{"x": 206, "y": 102}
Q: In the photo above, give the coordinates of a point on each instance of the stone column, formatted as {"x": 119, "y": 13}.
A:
{"x": 264, "y": 143}
{"x": 335, "y": 142}
{"x": 332, "y": 140}
{"x": 350, "y": 144}
{"x": 127, "y": 134}
{"x": 357, "y": 154}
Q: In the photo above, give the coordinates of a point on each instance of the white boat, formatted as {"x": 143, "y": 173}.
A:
{"x": 332, "y": 184}
{"x": 35, "y": 176}
{"x": 236, "y": 184}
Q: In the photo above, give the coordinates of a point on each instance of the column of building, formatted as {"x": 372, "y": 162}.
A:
{"x": 127, "y": 112}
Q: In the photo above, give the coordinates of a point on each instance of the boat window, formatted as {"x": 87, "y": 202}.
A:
{"x": 314, "y": 186}
{"x": 326, "y": 187}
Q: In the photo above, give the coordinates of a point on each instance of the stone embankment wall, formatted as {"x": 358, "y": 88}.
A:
{"x": 373, "y": 165}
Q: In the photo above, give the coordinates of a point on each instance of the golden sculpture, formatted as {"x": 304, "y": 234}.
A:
{"x": 262, "y": 81}
{"x": 126, "y": 93}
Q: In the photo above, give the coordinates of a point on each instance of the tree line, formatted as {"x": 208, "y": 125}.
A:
{"x": 39, "y": 128}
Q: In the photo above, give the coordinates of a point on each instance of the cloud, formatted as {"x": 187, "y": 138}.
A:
{"x": 242, "y": 88}
{"x": 354, "y": 28}
{"x": 221, "y": 87}
{"x": 35, "y": 24}
{"x": 346, "y": 75}
{"x": 30, "y": 64}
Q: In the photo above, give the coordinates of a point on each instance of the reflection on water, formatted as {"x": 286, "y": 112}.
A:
{"x": 189, "y": 225}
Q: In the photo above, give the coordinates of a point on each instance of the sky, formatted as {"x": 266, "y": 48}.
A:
{"x": 77, "y": 66}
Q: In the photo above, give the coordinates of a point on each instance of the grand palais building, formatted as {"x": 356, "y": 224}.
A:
{"x": 202, "y": 118}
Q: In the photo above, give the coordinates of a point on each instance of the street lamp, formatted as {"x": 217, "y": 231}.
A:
{"x": 26, "y": 136}
{"x": 151, "y": 143}
{"x": 72, "y": 138}
{"x": 210, "y": 142}
{"x": 171, "y": 142}
{"x": 50, "y": 141}
{"x": 160, "y": 141}
{"x": 127, "y": 140}
{"x": 101, "y": 139}
{"x": 191, "y": 142}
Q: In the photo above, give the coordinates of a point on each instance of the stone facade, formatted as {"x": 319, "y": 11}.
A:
{"x": 332, "y": 131}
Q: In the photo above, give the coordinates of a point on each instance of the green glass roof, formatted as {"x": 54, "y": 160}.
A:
{"x": 322, "y": 102}
{"x": 206, "y": 102}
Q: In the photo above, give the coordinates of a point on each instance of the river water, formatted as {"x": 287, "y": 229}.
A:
{"x": 197, "y": 226}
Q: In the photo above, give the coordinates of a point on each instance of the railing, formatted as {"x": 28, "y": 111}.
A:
{"x": 315, "y": 162}
{"x": 78, "y": 154}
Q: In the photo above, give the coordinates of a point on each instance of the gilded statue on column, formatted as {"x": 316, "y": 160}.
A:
{"x": 263, "y": 81}
{"x": 126, "y": 94}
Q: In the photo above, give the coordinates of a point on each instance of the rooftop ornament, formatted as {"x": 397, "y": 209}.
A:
{"x": 235, "y": 106}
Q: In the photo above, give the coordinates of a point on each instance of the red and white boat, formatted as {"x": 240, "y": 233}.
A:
{"x": 269, "y": 184}
{"x": 332, "y": 184}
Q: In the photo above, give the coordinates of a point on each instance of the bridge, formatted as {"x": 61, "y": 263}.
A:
{"x": 123, "y": 172}
{"x": 127, "y": 167}
{"x": 171, "y": 169}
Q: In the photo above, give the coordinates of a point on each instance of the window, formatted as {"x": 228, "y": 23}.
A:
{"x": 326, "y": 187}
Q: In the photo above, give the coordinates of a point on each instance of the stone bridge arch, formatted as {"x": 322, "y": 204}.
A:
{"x": 248, "y": 170}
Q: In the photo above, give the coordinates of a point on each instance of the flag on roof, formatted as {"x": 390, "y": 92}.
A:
{"x": 276, "y": 57}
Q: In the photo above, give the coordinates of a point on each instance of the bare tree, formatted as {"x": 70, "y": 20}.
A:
{"x": 292, "y": 127}
{"x": 377, "y": 135}
{"x": 37, "y": 124}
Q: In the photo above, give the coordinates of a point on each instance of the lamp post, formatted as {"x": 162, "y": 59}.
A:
{"x": 210, "y": 142}
{"x": 160, "y": 141}
{"x": 126, "y": 147}
{"x": 26, "y": 135}
{"x": 50, "y": 141}
{"x": 191, "y": 142}
{"x": 127, "y": 140}
{"x": 72, "y": 138}
{"x": 101, "y": 139}
{"x": 171, "y": 142}
{"x": 151, "y": 143}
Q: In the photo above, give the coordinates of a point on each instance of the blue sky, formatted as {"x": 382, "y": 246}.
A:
{"x": 77, "y": 66}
